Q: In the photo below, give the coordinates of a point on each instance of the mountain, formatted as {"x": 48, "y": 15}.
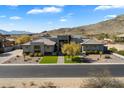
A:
{"x": 112, "y": 26}
{"x": 4, "y": 32}
{"x": 19, "y": 32}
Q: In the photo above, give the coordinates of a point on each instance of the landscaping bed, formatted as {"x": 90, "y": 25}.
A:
{"x": 21, "y": 60}
{"x": 49, "y": 59}
{"x": 74, "y": 59}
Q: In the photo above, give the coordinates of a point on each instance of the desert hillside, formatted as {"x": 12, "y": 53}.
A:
{"x": 112, "y": 26}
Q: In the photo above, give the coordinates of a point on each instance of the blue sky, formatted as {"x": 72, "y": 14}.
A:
{"x": 38, "y": 18}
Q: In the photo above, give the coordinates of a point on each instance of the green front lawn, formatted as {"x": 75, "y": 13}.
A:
{"x": 74, "y": 59}
{"x": 49, "y": 59}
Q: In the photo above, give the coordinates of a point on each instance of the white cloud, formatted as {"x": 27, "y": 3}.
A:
{"x": 2, "y": 16}
{"x": 63, "y": 20}
{"x": 15, "y": 18}
{"x": 110, "y": 16}
{"x": 70, "y": 14}
{"x": 45, "y": 10}
{"x": 105, "y": 7}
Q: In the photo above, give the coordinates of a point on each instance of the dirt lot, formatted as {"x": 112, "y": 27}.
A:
{"x": 117, "y": 46}
{"x": 40, "y": 82}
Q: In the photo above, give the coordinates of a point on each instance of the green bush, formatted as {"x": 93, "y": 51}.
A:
{"x": 96, "y": 52}
{"x": 31, "y": 54}
{"x": 39, "y": 54}
{"x": 26, "y": 53}
{"x": 92, "y": 52}
{"x": 55, "y": 53}
{"x": 113, "y": 49}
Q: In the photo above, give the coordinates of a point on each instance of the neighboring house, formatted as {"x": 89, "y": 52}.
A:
{"x": 6, "y": 45}
{"x": 52, "y": 45}
{"x": 120, "y": 37}
{"x": 108, "y": 41}
{"x": 93, "y": 45}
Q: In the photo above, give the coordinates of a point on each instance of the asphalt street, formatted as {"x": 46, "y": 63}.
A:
{"x": 57, "y": 71}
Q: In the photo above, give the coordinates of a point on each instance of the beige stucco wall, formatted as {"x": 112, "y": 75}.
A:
{"x": 26, "y": 48}
{"x": 43, "y": 48}
{"x": 49, "y": 48}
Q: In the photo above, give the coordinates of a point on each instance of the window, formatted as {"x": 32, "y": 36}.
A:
{"x": 36, "y": 47}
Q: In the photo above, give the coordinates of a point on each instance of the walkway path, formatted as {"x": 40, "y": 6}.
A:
{"x": 60, "y": 60}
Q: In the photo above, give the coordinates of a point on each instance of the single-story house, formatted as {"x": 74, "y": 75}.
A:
{"x": 93, "y": 45}
{"x": 120, "y": 37}
{"x": 52, "y": 45}
{"x": 6, "y": 45}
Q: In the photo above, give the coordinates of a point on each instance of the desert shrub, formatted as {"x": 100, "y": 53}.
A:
{"x": 3, "y": 87}
{"x": 26, "y": 53}
{"x": 25, "y": 60}
{"x": 88, "y": 52}
{"x": 39, "y": 54}
{"x": 11, "y": 87}
{"x": 92, "y": 52}
{"x": 107, "y": 57}
{"x": 103, "y": 79}
{"x": 17, "y": 56}
{"x": 113, "y": 50}
{"x": 96, "y": 52}
{"x": 37, "y": 60}
{"x": 35, "y": 54}
{"x": 31, "y": 54}
{"x": 102, "y": 36}
{"x": 48, "y": 85}
{"x": 8, "y": 87}
{"x": 32, "y": 84}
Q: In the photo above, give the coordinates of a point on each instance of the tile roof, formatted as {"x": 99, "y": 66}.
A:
{"x": 43, "y": 40}
{"x": 90, "y": 41}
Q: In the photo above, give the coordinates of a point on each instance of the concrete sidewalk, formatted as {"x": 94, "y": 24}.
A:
{"x": 60, "y": 60}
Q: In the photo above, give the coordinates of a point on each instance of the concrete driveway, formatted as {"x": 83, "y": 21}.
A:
{"x": 8, "y": 55}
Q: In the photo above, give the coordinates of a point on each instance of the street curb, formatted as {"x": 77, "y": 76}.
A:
{"x": 61, "y": 64}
